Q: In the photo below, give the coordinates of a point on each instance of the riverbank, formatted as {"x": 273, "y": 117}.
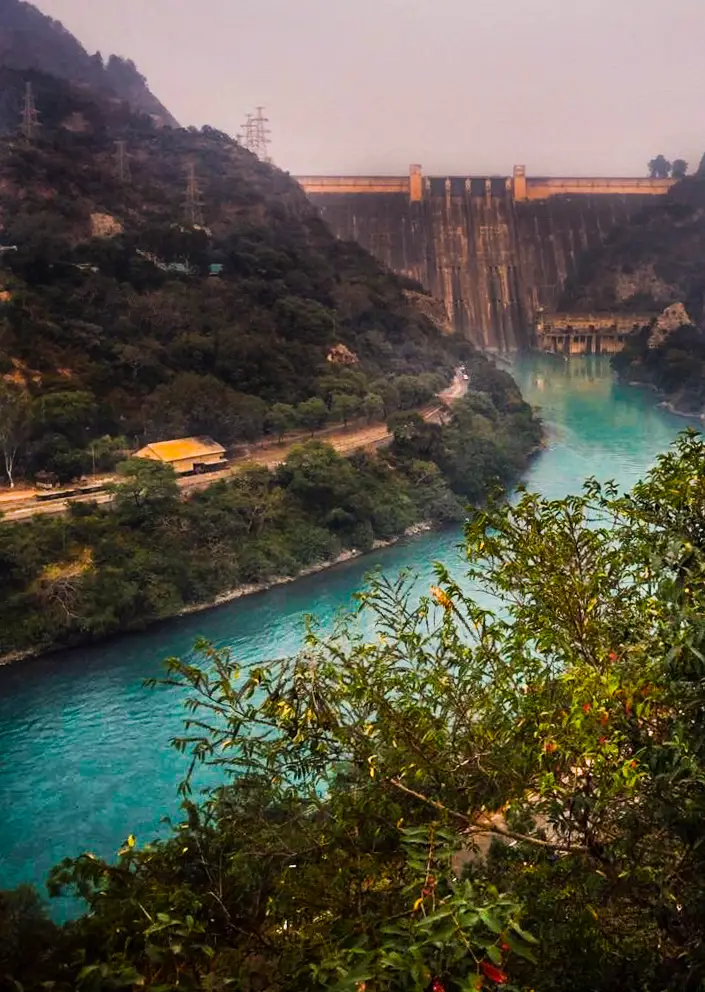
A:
{"x": 423, "y": 527}
{"x": 248, "y": 589}
{"x": 666, "y": 404}
{"x": 151, "y": 555}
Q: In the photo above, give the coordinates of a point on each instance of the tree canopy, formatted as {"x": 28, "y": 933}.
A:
{"x": 103, "y": 568}
{"x": 659, "y": 167}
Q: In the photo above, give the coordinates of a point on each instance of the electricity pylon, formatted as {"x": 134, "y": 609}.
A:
{"x": 255, "y": 135}
{"x": 194, "y": 208}
{"x": 30, "y": 114}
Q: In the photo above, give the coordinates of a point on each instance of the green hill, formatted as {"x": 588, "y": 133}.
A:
{"x": 652, "y": 261}
{"x": 655, "y": 263}
{"x": 29, "y": 40}
{"x": 131, "y": 312}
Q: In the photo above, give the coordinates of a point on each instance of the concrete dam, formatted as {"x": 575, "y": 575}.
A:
{"x": 497, "y": 250}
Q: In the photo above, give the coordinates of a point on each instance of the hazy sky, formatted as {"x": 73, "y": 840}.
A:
{"x": 461, "y": 86}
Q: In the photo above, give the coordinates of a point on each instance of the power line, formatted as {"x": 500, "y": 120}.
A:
{"x": 30, "y": 114}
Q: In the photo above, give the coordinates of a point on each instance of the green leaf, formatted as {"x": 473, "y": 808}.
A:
{"x": 523, "y": 934}
{"x": 490, "y": 921}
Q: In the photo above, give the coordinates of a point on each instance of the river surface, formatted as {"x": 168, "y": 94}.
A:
{"x": 84, "y": 752}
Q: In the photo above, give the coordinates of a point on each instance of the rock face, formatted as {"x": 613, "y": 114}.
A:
{"x": 340, "y": 354}
{"x": 432, "y": 308}
{"x": 671, "y": 320}
{"x": 105, "y": 226}
{"x": 31, "y": 40}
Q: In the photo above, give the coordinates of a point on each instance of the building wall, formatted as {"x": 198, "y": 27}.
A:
{"x": 183, "y": 465}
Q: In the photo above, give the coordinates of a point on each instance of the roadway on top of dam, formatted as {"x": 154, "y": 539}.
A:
{"x": 416, "y": 185}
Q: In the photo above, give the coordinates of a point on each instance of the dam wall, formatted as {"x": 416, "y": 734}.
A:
{"x": 496, "y": 250}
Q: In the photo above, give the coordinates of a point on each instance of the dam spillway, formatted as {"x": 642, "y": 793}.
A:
{"x": 496, "y": 250}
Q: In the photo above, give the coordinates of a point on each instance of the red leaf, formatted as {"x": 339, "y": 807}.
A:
{"x": 494, "y": 974}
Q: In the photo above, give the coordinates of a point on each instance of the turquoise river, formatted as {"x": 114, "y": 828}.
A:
{"x": 84, "y": 754}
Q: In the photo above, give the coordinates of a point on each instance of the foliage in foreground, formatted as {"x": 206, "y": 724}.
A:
{"x": 478, "y": 797}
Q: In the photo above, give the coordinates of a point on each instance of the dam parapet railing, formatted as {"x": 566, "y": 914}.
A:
{"x": 416, "y": 186}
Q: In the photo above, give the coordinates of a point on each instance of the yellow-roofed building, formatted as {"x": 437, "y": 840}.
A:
{"x": 186, "y": 454}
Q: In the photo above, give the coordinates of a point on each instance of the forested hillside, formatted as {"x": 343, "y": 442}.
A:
{"x": 104, "y": 569}
{"x": 133, "y": 310}
{"x": 652, "y": 261}
{"x": 31, "y": 40}
{"x": 671, "y": 359}
{"x": 655, "y": 264}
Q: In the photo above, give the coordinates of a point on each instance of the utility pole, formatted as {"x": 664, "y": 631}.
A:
{"x": 255, "y": 135}
{"x": 194, "y": 211}
{"x": 30, "y": 115}
{"x": 123, "y": 162}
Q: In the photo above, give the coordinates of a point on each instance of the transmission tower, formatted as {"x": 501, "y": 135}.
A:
{"x": 255, "y": 135}
{"x": 194, "y": 211}
{"x": 246, "y": 137}
{"x": 123, "y": 162}
{"x": 30, "y": 115}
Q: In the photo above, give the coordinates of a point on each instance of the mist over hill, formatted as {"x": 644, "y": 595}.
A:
{"x": 31, "y": 40}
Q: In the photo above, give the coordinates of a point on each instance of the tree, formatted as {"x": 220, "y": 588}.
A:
{"x": 679, "y": 169}
{"x": 68, "y": 412}
{"x": 14, "y": 425}
{"x": 372, "y": 408}
{"x": 413, "y": 391}
{"x": 201, "y": 404}
{"x": 467, "y": 799}
{"x": 659, "y": 167}
{"x": 149, "y": 489}
{"x": 312, "y": 414}
{"x": 281, "y": 418}
{"x": 26, "y": 934}
{"x": 344, "y": 406}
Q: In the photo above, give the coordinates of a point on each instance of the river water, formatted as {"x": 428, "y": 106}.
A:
{"x": 84, "y": 755}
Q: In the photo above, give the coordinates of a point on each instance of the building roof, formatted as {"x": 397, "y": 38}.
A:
{"x": 183, "y": 447}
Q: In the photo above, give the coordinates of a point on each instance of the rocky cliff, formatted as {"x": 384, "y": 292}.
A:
{"x": 31, "y": 40}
